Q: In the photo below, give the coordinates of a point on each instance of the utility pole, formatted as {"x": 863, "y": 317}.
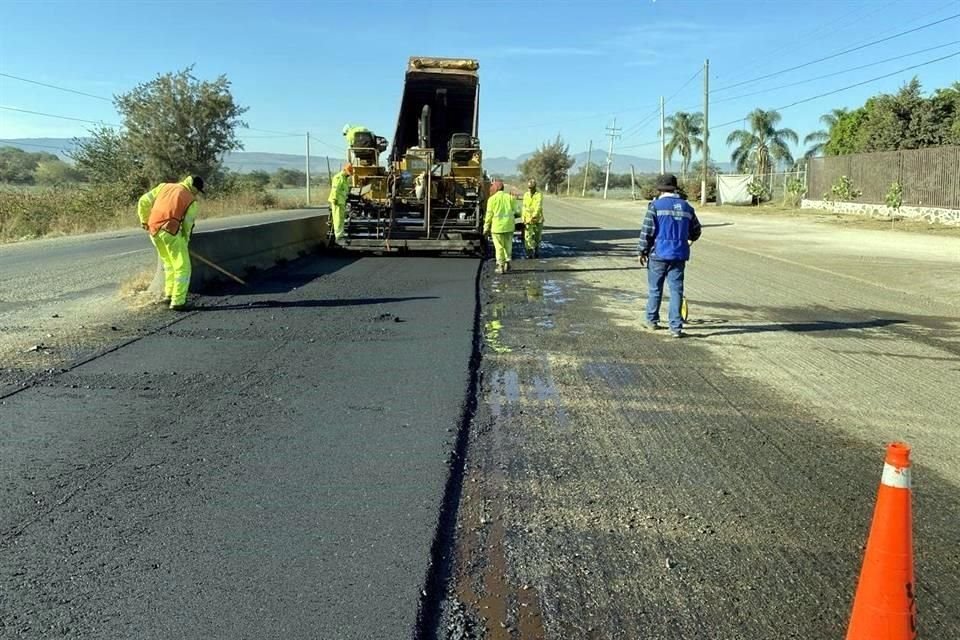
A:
{"x": 586, "y": 170}
{"x": 568, "y": 183}
{"x": 663, "y": 148}
{"x": 706, "y": 131}
{"x": 612, "y": 132}
{"x": 633, "y": 183}
{"x": 329, "y": 171}
{"x": 308, "y": 168}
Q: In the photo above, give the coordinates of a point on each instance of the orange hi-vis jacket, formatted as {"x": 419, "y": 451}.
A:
{"x": 169, "y": 208}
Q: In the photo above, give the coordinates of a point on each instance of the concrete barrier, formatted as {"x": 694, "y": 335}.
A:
{"x": 241, "y": 250}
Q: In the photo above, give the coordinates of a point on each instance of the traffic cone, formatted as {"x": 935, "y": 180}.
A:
{"x": 884, "y": 607}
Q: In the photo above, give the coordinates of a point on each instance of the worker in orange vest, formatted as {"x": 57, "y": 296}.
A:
{"x": 168, "y": 212}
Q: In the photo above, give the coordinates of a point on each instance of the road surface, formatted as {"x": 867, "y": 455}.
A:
{"x": 58, "y": 296}
{"x": 624, "y": 484}
{"x": 276, "y": 465}
{"x": 271, "y": 466}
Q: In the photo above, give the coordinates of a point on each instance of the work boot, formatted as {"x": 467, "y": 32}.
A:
{"x": 651, "y": 326}
{"x": 163, "y": 301}
{"x": 181, "y": 307}
{"x": 676, "y": 333}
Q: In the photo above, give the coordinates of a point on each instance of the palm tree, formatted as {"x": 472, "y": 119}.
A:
{"x": 821, "y": 137}
{"x": 762, "y": 146}
{"x": 684, "y": 133}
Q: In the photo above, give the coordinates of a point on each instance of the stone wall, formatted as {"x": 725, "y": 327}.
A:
{"x": 930, "y": 214}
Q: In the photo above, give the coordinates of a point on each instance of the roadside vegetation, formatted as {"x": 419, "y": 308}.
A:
{"x": 763, "y": 148}
{"x": 97, "y": 189}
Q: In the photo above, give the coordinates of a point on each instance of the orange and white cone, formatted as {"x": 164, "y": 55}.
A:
{"x": 885, "y": 607}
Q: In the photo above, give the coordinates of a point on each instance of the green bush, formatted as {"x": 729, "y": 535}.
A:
{"x": 794, "y": 192}
{"x": 758, "y": 189}
{"x": 842, "y": 191}
{"x": 894, "y": 196}
{"x": 691, "y": 187}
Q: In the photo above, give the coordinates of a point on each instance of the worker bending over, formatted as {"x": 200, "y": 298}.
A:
{"x": 532, "y": 219}
{"x": 499, "y": 223}
{"x": 168, "y": 212}
{"x": 339, "y": 189}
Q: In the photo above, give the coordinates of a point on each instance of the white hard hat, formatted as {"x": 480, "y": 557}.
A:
{"x": 346, "y": 128}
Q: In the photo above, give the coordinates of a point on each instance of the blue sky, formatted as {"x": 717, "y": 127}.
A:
{"x": 546, "y": 67}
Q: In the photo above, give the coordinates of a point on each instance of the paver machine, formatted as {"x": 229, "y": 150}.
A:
{"x": 430, "y": 195}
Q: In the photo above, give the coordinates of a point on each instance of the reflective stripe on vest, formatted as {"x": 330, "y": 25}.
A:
{"x": 169, "y": 209}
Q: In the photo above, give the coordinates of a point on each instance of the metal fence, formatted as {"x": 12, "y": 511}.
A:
{"x": 929, "y": 177}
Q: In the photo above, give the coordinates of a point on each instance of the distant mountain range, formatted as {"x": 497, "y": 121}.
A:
{"x": 621, "y": 163}
{"x": 247, "y": 161}
{"x": 241, "y": 161}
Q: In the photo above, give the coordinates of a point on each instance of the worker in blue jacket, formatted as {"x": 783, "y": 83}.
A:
{"x": 670, "y": 226}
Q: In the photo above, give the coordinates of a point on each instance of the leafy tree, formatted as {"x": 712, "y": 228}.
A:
{"x": 902, "y": 120}
{"x": 594, "y": 179}
{"x": 844, "y": 136}
{"x": 889, "y": 118}
{"x": 696, "y": 169}
{"x": 820, "y": 138}
{"x": 761, "y": 147}
{"x": 180, "y": 125}
{"x": 108, "y": 157}
{"x": 549, "y": 165}
{"x": 684, "y": 134}
{"x": 57, "y": 172}
{"x": 290, "y": 178}
{"x": 258, "y": 179}
{"x": 948, "y": 100}
{"x": 18, "y": 166}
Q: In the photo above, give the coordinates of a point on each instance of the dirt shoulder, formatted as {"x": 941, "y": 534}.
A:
{"x": 623, "y": 484}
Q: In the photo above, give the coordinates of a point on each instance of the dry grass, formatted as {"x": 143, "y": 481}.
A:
{"x": 135, "y": 290}
{"x": 26, "y": 214}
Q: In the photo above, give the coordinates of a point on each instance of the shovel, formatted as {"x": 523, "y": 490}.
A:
{"x": 213, "y": 265}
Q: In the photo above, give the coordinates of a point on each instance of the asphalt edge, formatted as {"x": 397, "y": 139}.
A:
{"x": 228, "y": 291}
{"x": 433, "y": 594}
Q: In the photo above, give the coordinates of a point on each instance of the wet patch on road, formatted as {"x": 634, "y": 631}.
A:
{"x": 621, "y": 484}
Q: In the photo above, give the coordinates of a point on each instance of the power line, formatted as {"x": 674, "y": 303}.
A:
{"x": 281, "y": 134}
{"x": 323, "y": 142}
{"x": 32, "y": 144}
{"x": 636, "y": 128}
{"x": 247, "y": 137}
{"x": 277, "y": 134}
{"x": 823, "y": 31}
{"x": 835, "y": 73}
{"x": 858, "y": 84}
{"x": 643, "y": 144}
{"x": 835, "y": 55}
{"x": 53, "y": 86}
{"x": 51, "y": 115}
